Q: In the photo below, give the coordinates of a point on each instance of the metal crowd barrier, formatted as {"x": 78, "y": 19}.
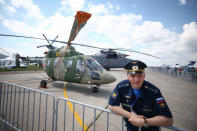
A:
{"x": 25, "y": 109}
{"x": 192, "y": 76}
{"x": 92, "y": 112}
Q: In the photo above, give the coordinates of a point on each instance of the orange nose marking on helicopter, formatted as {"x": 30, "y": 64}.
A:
{"x": 70, "y": 105}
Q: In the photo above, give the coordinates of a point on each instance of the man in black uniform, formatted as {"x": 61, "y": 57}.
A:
{"x": 142, "y": 104}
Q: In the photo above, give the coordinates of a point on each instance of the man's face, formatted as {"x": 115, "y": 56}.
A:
{"x": 136, "y": 80}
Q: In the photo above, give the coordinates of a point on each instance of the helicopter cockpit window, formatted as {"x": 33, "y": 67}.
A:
{"x": 80, "y": 66}
{"x": 111, "y": 56}
{"x": 69, "y": 64}
{"x": 93, "y": 65}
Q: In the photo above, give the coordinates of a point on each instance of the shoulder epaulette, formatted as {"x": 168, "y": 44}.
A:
{"x": 154, "y": 90}
{"x": 150, "y": 87}
{"x": 123, "y": 84}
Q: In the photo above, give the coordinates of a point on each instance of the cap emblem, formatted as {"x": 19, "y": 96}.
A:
{"x": 134, "y": 62}
{"x": 135, "y": 67}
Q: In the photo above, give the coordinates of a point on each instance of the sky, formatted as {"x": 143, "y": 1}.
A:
{"x": 163, "y": 28}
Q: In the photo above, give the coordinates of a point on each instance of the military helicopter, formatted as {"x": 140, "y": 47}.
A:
{"x": 110, "y": 58}
{"x": 67, "y": 64}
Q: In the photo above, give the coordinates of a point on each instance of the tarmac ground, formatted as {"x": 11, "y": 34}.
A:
{"x": 181, "y": 96}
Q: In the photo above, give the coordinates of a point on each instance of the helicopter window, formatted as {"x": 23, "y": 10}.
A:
{"x": 69, "y": 64}
{"x": 93, "y": 65}
{"x": 80, "y": 66}
{"x": 111, "y": 56}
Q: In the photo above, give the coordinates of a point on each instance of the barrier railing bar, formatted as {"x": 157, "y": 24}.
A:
{"x": 3, "y": 98}
{"x": 107, "y": 121}
{"x": 18, "y": 106}
{"x": 33, "y": 112}
{"x": 14, "y": 106}
{"x": 7, "y": 123}
{"x": 73, "y": 126}
{"x": 46, "y": 113}
{"x": 6, "y": 103}
{"x": 54, "y": 111}
{"x": 10, "y": 105}
{"x": 80, "y": 103}
{"x": 56, "y": 120}
{"x": 122, "y": 124}
{"x": 28, "y": 109}
{"x": 64, "y": 115}
{"x": 94, "y": 118}
{"x": 29, "y": 88}
{"x": 1, "y": 87}
{"x": 23, "y": 107}
{"x": 39, "y": 113}
{"x": 83, "y": 118}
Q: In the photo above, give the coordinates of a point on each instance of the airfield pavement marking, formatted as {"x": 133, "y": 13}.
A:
{"x": 77, "y": 117}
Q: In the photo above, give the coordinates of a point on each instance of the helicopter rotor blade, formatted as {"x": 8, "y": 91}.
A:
{"x": 81, "y": 19}
{"x": 118, "y": 49}
{"x": 54, "y": 40}
{"x": 41, "y": 46}
{"x": 122, "y": 49}
{"x": 88, "y": 46}
{"x": 46, "y": 38}
{"x": 63, "y": 42}
{"x": 22, "y": 36}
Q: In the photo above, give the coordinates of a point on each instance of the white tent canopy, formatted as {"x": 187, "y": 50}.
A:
{"x": 8, "y": 62}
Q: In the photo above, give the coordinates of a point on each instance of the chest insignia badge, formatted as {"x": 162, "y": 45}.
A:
{"x": 128, "y": 97}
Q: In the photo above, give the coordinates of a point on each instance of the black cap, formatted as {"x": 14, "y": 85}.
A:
{"x": 135, "y": 67}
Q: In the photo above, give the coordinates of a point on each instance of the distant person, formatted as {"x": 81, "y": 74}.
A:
{"x": 142, "y": 104}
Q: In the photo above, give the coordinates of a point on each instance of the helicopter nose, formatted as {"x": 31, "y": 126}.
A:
{"x": 109, "y": 78}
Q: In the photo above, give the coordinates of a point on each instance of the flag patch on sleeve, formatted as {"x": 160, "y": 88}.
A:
{"x": 161, "y": 102}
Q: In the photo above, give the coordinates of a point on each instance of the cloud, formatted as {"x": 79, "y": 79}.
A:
{"x": 18, "y": 27}
{"x": 32, "y": 9}
{"x": 2, "y": 2}
{"x": 57, "y": 24}
{"x": 10, "y": 9}
{"x": 98, "y": 9}
{"x": 73, "y": 5}
{"x": 110, "y": 6}
{"x": 129, "y": 31}
{"x": 182, "y": 2}
{"x": 188, "y": 38}
{"x": 117, "y": 8}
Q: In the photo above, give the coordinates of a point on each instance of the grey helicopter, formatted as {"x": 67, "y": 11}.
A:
{"x": 110, "y": 58}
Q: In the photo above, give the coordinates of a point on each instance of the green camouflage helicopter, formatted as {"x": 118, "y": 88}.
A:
{"x": 67, "y": 64}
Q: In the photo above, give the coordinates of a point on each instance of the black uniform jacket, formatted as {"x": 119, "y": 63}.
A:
{"x": 151, "y": 102}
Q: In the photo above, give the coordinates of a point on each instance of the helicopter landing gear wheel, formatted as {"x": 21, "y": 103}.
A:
{"x": 43, "y": 84}
{"x": 107, "y": 68}
{"x": 95, "y": 89}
